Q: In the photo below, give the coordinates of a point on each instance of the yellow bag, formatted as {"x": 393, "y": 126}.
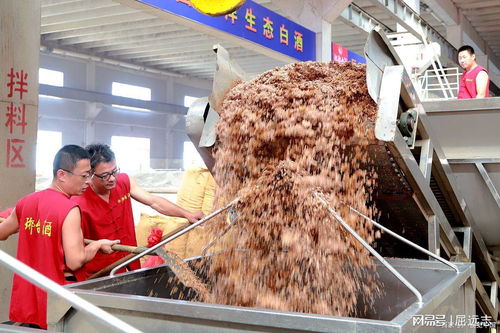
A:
{"x": 196, "y": 193}
{"x": 198, "y": 238}
{"x": 192, "y": 190}
{"x": 209, "y": 195}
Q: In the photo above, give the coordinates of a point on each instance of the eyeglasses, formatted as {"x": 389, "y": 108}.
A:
{"x": 107, "y": 175}
{"x": 84, "y": 177}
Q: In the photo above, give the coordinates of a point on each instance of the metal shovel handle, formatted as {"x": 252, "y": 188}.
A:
{"x": 105, "y": 271}
{"x": 369, "y": 248}
{"x": 171, "y": 238}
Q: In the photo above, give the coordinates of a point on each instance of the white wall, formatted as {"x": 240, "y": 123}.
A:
{"x": 165, "y": 130}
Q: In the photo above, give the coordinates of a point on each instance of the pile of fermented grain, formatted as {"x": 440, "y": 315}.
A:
{"x": 292, "y": 130}
{"x": 194, "y": 289}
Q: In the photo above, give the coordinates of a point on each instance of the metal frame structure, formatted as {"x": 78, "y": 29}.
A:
{"x": 411, "y": 21}
{"x": 427, "y": 171}
{"x": 171, "y": 238}
{"x": 384, "y": 262}
{"x": 443, "y": 291}
{"x": 361, "y": 19}
{"x": 471, "y": 149}
{"x": 429, "y": 89}
{"x": 47, "y": 284}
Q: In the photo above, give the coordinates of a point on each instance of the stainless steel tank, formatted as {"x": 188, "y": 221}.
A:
{"x": 143, "y": 299}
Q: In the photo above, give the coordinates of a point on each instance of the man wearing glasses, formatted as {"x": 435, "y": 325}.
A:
{"x": 50, "y": 235}
{"x": 107, "y": 209}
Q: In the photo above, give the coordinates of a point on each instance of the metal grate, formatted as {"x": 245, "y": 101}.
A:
{"x": 448, "y": 212}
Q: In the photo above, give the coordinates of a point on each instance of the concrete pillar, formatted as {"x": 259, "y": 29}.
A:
{"x": 92, "y": 110}
{"x": 19, "y": 62}
{"x": 324, "y": 42}
{"x": 170, "y": 93}
{"x": 173, "y": 147}
{"x": 482, "y": 59}
{"x": 90, "y": 76}
{"x": 311, "y": 13}
{"x": 169, "y": 149}
{"x": 455, "y": 35}
{"x": 169, "y": 123}
{"x": 495, "y": 79}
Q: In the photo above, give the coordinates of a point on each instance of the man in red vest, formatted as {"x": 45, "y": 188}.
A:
{"x": 107, "y": 209}
{"x": 50, "y": 235}
{"x": 474, "y": 82}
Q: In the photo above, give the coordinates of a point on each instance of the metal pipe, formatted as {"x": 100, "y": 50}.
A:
{"x": 372, "y": 251}
{"x": 47, "y": 284}
{"x": 213, "y": 241}
{"x": 105, "y": 271}
{"x": 171, "y": 238}
{"x": 404, "y": 240}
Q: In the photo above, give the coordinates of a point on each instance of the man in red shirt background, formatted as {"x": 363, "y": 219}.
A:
{"x": 50, "y": 235}
{"x": 474, "y": 82}
{"x": 107, "y": 209}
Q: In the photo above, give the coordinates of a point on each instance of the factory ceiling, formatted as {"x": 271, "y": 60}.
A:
{"x": 113, "y": 31}
{"x": 484, "y": 17}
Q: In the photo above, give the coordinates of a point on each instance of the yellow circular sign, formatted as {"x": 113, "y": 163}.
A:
{"x": 217, "y": 7}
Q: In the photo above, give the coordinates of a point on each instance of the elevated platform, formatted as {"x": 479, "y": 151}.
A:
{"x": 468, "y": 133}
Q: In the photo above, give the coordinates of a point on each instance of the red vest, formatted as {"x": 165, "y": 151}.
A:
{"x": 107, "y": 220}
{"x": 41, "y": 216}
{"x": 467, "y": 88}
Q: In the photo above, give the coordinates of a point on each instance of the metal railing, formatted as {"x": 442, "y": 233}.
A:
{"x": 431, "y": 87}
{"x": 79, "y": 303}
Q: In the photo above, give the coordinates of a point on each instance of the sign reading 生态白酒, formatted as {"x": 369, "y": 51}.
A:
{"x": 254, "y": 23}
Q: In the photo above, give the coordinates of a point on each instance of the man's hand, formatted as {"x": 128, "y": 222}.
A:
{"x": 194, "y": 217}
{"x": 9, "y": 226}
{"x": 105, "y": 245}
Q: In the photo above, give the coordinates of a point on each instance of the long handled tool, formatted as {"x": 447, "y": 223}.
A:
{"x": 217, "y": 237}
{"x": 105, "y": 271}
{"x": 346, "y": 226}
{"x": 174, "y": 262}
{"x": 122, "y": 248}
{"x": 171, "y": 238}
{"x": 168, "y": 258}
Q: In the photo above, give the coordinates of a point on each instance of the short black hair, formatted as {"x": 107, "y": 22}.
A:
{"x": 99, "y": 153}
{"x": 467, "y": 48}
{"x": 67, "y": 157}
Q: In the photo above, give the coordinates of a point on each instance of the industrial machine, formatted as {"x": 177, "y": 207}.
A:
{"x": 426, "y": 159}
{"x": 421, "y": 200}
{"x": 127, "y": 297}
{"x": 467, "y": 132}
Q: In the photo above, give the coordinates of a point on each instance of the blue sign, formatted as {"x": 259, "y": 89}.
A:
{"x": 351, "y": 56}
{"x": 254, "y": 23}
